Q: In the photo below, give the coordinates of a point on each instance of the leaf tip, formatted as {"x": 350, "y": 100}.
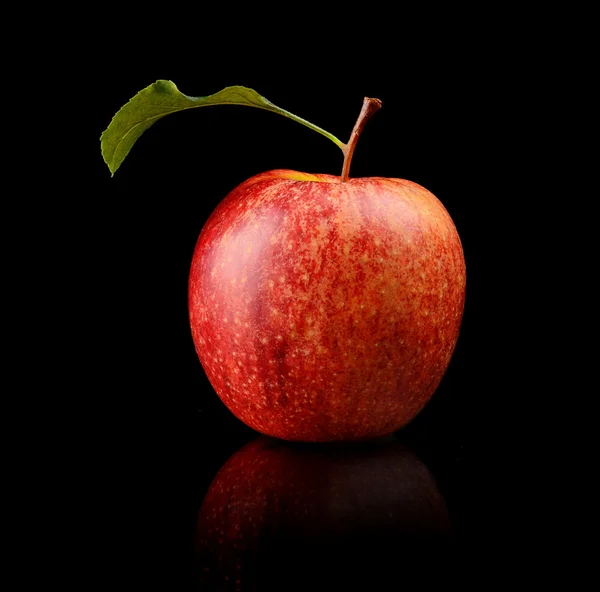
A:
{"x": 112, "y": 168}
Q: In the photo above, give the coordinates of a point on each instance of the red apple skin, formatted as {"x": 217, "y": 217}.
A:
{"x": 323, "y": 310}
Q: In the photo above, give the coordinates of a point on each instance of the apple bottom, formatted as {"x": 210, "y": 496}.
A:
{"x": 356, "y": 378}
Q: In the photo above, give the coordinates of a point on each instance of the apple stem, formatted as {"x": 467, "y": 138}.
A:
{"x": 369, "y": 108}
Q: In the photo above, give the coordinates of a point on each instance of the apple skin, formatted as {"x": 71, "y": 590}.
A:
{"x": 292, "y": 516}
{"x": 323, "y": 310}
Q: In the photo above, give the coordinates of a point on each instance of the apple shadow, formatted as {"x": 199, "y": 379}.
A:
{"x": 290, "y": 516}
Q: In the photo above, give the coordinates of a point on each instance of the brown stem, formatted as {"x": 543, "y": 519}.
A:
{"x": 369, "y": 108}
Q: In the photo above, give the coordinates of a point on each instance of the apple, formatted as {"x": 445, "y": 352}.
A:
{"x": 327, "y": 308}
{"x": 287, "y": 516}
{"x": 321, "y": 307}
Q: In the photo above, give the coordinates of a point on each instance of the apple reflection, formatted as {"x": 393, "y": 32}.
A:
{"x": 286, "y": 516}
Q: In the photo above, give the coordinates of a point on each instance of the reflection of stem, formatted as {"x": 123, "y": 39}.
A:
{"x": 369, "y": 108}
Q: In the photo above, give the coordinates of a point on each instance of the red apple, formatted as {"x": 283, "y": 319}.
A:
{"x": 326, "y": 308}
{"x": 321, "y": 307}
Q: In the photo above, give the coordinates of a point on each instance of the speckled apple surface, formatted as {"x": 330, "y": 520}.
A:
{"x": 323, "y": 310}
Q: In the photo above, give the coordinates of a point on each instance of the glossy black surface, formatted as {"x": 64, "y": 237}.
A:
{"x": 373, "y": 508}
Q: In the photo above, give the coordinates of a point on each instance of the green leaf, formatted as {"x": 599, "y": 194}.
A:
{"x": 163, "y": 97}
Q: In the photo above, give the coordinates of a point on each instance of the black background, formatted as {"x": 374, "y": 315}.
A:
{"x": 153, "y": 433}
